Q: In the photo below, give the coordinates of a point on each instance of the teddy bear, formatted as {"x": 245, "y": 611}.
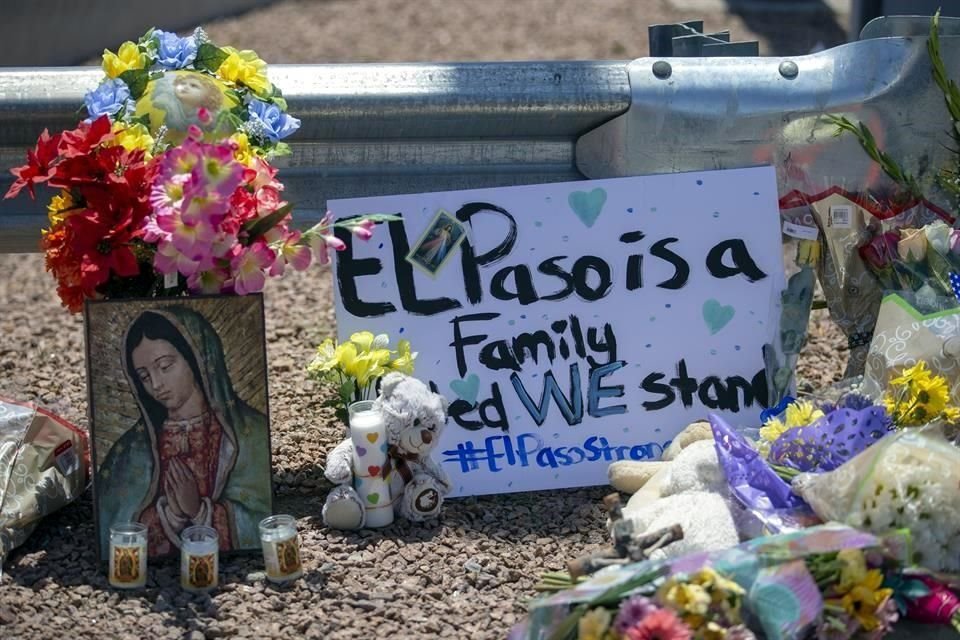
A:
{"x": 686, "y": 487}
{"x": 414, "y": 418}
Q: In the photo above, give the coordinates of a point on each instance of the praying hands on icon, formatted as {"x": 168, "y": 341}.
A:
{"x": 183, "y": 494}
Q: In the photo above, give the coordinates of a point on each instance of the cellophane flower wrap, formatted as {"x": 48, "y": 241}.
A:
{"x": 166, "y": 187}
{"x": 782, "y": 587}
{"x": 906, "y": 480}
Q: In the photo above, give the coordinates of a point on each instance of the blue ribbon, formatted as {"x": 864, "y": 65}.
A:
{"x": 773, "y": 412}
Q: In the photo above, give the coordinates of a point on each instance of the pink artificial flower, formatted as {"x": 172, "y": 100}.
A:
{"x": 204, "y": 115}
{"x": 659, "y": 625}
{"x": 248, "y": 265}
{"x": 168, "y": 259}
{"x": 321, "y": 243}
{"x": 194, "y": 132}
{"x": 364, "y": 230}
{"x": 209, "y": 281}
{"x": 291, "y": 252}
{"x": 194, "y": 240}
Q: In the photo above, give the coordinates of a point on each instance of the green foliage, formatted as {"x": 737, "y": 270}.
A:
{"x": 869, "y": 144}
{"x": 136, "y": 80}
{"x": 258, "y": 227}
{"x": 209, "y": 57}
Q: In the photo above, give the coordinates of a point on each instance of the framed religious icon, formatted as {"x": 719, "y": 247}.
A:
{"x": 179, "y": 418}
{"x": 437, "y": 244}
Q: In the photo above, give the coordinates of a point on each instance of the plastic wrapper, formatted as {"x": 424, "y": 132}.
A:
{"x": 905, "y": 335}
{"x": 44, "y": 465}
{"x": 908, "y": 480}
{"x": 756, "y": 485}
{"x": 782, "y": 600}
{"x": 862, "y": 254}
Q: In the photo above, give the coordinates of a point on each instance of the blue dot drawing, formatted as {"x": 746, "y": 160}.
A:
{"x": 713, "y": 352}
{"x": 538, "y": 224}
{"x": 383, "y": 285}
{"x": 629, "y": 209}
{"x": 522, "y": 315}
{"x": 736, "y": 347}
{"x": 667, "y": 305}
{"x": 511, "y": 322}
{"x": 716, "y": 214}
{"x": 564, "y": 238}
{"x": 381, "y": 246}
{"x": 699, "y": 182}
{"x": 652, "y": 318}
{"x": 401, "y": 330}
{"x": 556, "y": 435}
{"x": 648, "y": 346}
{"x": 626, "y": 429}
{"x": 653, "y": 209}
{"x": 756, "y": 193}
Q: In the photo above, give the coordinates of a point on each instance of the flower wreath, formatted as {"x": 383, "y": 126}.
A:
{"x": 257, "y": 110}
{"x": 166, "y": 188}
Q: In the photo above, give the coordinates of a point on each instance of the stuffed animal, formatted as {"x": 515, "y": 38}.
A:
{"x": 687, "y": 487}
{"x": 414, "y": 418}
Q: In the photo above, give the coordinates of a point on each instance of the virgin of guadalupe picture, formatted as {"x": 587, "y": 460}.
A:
{"x": 178, "y": 406}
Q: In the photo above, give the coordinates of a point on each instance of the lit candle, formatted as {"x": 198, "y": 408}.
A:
{"x": 369, "y": 437}
{"x": 128, "y": 555}
{"x": 281, "y": 548}
{"x": 199, "y": 558}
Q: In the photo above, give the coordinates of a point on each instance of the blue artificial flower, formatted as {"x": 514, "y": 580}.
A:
{"x": 274, "y": 123}
{"x": 107, "y": 99}
{"x": 174, "y": 52}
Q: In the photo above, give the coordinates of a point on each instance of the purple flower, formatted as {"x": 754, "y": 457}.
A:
{"x": 274, "y": 123}
{"x": 174, "y": 52}
{"x": 632, "y": 611}
{"x": 107, "y": 99}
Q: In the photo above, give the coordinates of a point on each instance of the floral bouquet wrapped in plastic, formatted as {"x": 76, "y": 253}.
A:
{"x": 817, "y": 582}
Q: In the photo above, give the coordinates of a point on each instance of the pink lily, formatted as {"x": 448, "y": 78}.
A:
{"x": 248, "y": 266}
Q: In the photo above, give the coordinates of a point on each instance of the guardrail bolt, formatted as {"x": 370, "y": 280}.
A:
{"x": 789, "y": 69}
{"x": 662, "y": 69}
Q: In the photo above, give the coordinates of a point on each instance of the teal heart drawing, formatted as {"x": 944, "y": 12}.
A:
{"x": 587, "y": 205}
{"x": 717, "y": 315}
{"x": 467, "y": 388}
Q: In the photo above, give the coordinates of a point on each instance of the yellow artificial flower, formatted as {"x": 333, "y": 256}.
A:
{"x": 326, "y": 360}
{"x": 127, "y": 57}
{"x": 246, "y": 68}
{"x": 712, "y": 631}
{"x": 593, "y": 625}
{"x": 405, "y": 357}
{"x": 690, "y": 600}
{"x": 59, "y": 207}
{"x": 363, "y": 340}
{"x": 865, "y": 598}
{"x": 933, "y": 395}
{"x": 241, "y": 150}
{"x": 134, "y": 137}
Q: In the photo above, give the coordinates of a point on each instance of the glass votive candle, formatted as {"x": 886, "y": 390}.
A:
{"x": 199, "y": 558}
{"x": 281, "y": 548}
{"x": 128, "y": 555}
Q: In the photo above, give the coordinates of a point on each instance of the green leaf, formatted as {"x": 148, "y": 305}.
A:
{"x": 136, "y": 80}
{"x": 375, "y": 217}
{"x": 258, "y": 227}
{"x": 280, "y": 149}
{"x": 209, "y": 57}
{"x": 144, "y": 120}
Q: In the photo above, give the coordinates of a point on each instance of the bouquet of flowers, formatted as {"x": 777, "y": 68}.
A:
{"x": 356, "y": 366}
{"x": 828, "y": 580}
{"x": 166, "y": 187}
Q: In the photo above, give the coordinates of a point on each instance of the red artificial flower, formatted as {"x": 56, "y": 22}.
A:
{"x": 85, "y": 137}
{"x": 39, "y": 167}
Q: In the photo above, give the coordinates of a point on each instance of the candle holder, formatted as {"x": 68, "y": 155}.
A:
{"x": 369, "y": 436}
{"x": 128, "y": 555}
{"x": 281, "y": 548}
{"x": 199, "y": 559}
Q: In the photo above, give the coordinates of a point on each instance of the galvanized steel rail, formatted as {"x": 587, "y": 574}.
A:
{"x": 368, "y": 129}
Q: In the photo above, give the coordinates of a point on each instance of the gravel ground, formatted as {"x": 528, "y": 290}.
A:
{"x": 467, "y": 576}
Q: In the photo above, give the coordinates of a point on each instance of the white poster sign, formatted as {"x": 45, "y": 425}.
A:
{"x": 573, "y": 324}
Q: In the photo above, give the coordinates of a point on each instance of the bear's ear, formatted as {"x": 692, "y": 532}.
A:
{"x": 390, "y": 381}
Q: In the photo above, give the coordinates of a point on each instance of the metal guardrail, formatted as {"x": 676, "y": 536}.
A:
{"x": 406, "y": 128}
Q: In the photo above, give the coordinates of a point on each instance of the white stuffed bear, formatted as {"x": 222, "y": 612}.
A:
{"x": 414, "y": 417}
{"x": 687, "y": 488}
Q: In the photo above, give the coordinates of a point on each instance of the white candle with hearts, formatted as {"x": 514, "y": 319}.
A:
{"x": 369, "y": 436}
